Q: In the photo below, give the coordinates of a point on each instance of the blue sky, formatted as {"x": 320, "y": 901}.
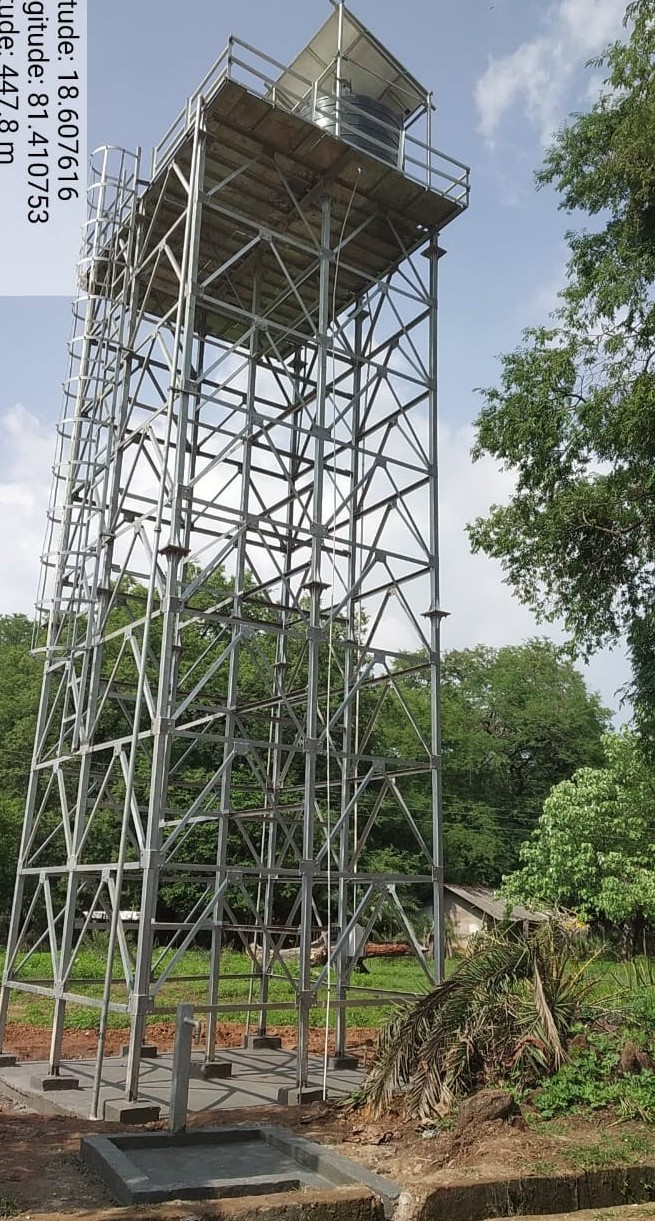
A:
{"x": 505, "y": 73}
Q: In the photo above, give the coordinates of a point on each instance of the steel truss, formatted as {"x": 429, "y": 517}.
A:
{"x": 242, "y": 548}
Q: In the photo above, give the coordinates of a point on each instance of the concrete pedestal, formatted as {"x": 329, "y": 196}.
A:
{"x": 262, "y": 1042}
{"x": 53, "y": 1084}
{"x": 131, "y": 1112}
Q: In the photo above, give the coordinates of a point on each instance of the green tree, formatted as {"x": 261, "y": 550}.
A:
{"x": 20, "y": 682}
{"x": 573, "y": 416}
{"x": 592, "y": 849}
{"x": 515, "y": 721}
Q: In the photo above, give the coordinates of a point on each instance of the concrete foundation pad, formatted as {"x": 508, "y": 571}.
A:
{"x": 215, "y": 1070}
{"x": 289, "y": 1097}
{"x": 7, "y": 1061}
{"x": 131, "y": 1112}
{"x": 262, "y": 1042}
{"x": 255, "y": 1080}
{"x": 205, "y": 1163}
{"x": 51, "y": 1083}
{"x": 148, "y": 1051}
{"x": 343, "y": 1063}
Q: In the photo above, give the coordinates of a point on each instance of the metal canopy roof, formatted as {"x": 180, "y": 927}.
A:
{"x": 366, "y": 66}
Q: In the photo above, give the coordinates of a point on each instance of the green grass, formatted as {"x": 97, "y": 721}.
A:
{"x": 609, "y": 1151}
{"x": 402, "y": 975}
{"x": 613, "y": 981}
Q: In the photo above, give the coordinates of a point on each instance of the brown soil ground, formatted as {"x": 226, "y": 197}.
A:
{"x": 40, "y": 1169}
{"x": 32, "y": 1043}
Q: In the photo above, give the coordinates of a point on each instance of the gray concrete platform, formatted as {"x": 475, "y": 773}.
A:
{"x": 256, "y": 1080}
{"x": 152, "y": 1167}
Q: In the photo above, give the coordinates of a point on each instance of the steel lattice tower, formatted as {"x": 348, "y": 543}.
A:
{"x": 242, "y": 544}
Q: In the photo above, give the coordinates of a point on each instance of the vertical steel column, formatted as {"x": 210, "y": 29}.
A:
{"x": 339, "y": 69}
{"x": 277, "y": 734}
{"x": 110, "y": 543}
{"x": 315, "y": 635}
{"x": 435, "y": 615}
{"x": 350, "y": 651}
{"x": 233, "y": 675}
{"x": 93, "y": 647}
{"x": 185, "y": 1028}
{"x": 175, "y": 550}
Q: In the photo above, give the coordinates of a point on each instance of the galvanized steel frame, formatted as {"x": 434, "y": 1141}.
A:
{"x": 307, "y": 469}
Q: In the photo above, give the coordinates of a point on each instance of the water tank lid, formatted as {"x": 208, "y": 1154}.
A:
{"x": 368, "y": 67}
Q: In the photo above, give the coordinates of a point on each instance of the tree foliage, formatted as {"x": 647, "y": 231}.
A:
{"x": 20, "y": 681}
{"x": 515, "y": 721}
{"x": 592, "y": 849}
{"x": 573, "y": 415}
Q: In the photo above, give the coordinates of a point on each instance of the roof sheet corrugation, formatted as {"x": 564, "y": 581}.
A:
{"x": 480, "y": 896}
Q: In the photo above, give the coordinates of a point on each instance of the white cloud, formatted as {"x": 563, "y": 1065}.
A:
{"x": 27, "y": 448}
{"x": 482, "y": 607}
{"x": 537, "y": 75}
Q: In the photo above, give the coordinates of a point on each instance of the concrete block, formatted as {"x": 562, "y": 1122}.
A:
{"x": 343, "y": 1063}
{"x": 148, "y": 1051}
{"x": 262, "y": 1042}
{"x": 131, "y": 1112}
{"x": 52, "y": 1083}
{"x": 288, "y": 1097}
{"x": 213, "y": 1070}
{"x": 7, "y": 1061}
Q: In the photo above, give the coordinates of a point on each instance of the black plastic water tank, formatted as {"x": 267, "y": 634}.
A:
{"x": 365, "y": 123}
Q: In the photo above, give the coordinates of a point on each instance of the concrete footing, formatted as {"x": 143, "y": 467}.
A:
{"x": 131, "y": 1112}
{"x": 148, "y": 1051}
{"x": 288, "y": 1097}
{"x": 7, "y": 1061}
{"x": 343, "y": 1063}
{"x": 215, "y": 1070}
{"x": 262, "y": 1042}
{"x": 52, "y": 1084}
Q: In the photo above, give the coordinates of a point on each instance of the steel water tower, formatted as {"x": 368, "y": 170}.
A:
{"x": 241, "y": 569}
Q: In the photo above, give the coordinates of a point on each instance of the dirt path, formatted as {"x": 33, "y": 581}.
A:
{"x": 40, "y": 1167}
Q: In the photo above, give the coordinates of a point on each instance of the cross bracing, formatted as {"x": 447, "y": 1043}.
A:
{"x": 240, "y": 566}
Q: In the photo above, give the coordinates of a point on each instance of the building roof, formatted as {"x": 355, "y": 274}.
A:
{"x": 483, "y": 898}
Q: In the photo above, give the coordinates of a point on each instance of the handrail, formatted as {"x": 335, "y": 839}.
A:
{"x": 418, "y": 159}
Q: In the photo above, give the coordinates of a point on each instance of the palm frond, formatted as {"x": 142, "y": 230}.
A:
{"x": 547, "y": 1020}
{"x": 508, "y": 1009}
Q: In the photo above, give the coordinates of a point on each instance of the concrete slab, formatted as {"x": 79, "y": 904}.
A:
{"x": 256, "y": 1079}
{"x": 220, "y": 1163}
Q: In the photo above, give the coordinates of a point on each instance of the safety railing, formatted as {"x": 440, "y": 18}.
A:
{"x": 260, "y": 74}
